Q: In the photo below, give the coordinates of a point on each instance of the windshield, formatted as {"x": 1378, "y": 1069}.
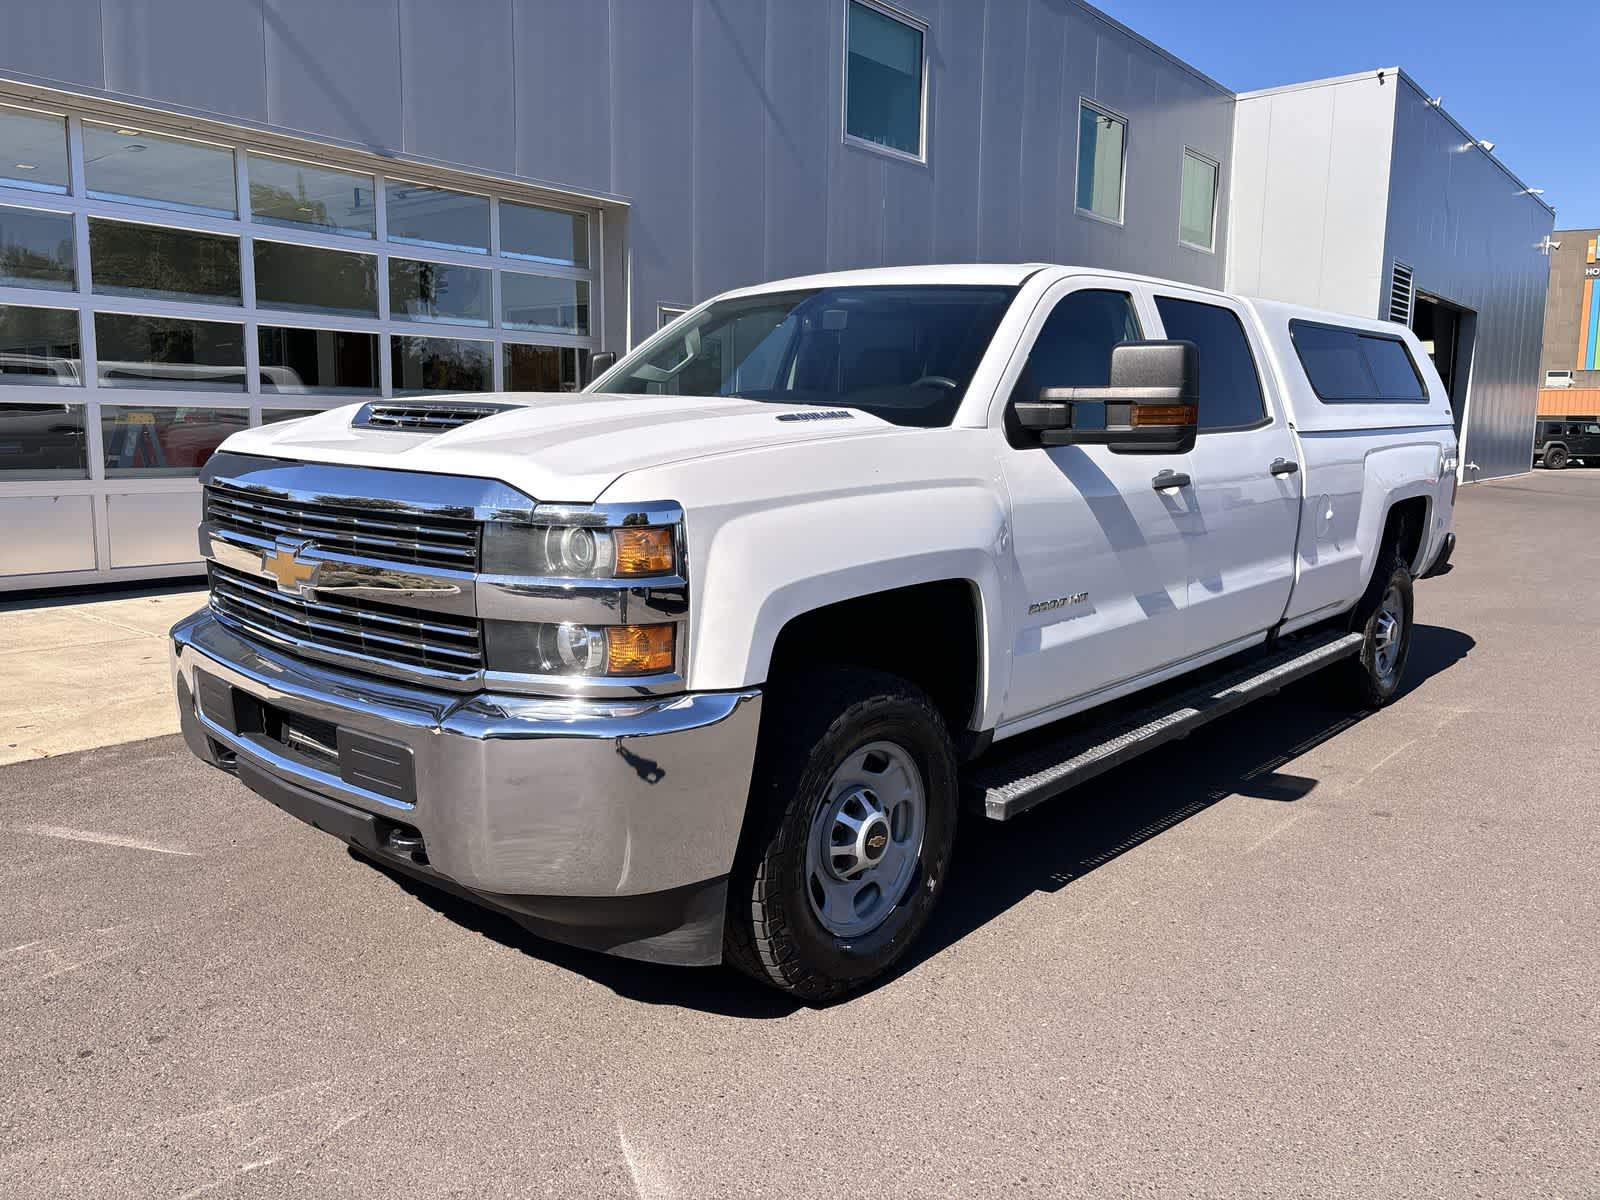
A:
{"x": 905, "y": 354}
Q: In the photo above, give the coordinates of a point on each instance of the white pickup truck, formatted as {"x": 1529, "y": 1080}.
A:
{"x": 700, "y": 664}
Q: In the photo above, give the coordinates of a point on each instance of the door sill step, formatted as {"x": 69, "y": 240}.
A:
{"x": 1001, "y": 785}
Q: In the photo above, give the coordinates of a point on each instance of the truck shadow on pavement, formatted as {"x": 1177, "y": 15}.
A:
{"x": 998, "y": 865}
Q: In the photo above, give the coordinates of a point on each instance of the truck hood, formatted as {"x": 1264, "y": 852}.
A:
{"x": 559, "y": 446}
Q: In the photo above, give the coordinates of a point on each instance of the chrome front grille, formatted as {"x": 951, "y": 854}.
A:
{"x": 423, "y": 418}
{"x": 364, "y": 530}
{"x": 380, "y": 634}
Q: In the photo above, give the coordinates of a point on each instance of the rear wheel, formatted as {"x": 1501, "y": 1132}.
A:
{"x": 1384, "y": 617}
{"x": 1555, "y": 458}
{"x": 851, "y": 824}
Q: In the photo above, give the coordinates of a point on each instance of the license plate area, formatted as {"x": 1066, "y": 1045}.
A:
{"x": 361, "y": 760}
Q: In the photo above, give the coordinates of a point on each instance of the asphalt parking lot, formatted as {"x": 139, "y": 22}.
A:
{"x": 1306, "y": 954}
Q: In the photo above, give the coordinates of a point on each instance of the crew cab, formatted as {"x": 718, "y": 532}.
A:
{"x": 700, "y": 663}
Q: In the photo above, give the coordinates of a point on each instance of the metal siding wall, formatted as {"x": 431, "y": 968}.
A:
{"x": 1456, "y": 218}
{"x": 203, "y": 54}
{"x": 1311, "y": 182}
{"x": 65, "y": 34}
{"x": 335, "y": 68}
{"x": 719, "y": 120}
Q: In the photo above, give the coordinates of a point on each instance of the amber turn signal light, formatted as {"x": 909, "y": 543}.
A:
{"x": 639, "y": 649}
{"x": 1164, "y": 414}
{"x": 643, "y": 551}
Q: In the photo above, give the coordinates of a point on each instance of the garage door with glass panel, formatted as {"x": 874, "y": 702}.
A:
{"x": 160, "y": 290}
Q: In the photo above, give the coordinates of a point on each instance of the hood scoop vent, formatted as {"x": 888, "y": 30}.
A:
{"x": 423, "y": 418}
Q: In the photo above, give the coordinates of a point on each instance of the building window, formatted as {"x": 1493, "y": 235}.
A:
{"x": 426, "y": 364}
{"x": 138, "y": 167}
{"x": 545, "y": 368}
{"x": 313, "y": 279}
{"x": 545, "y": 303}
{"x": 43, "y": 441}
{"x": 543, "y": 234}
{"x": 154, "y": 262}
{"x": 33, "y": 149}
{"x": 169, "y": 353}
{"x": 328, "y": 361}
{"x": 40, "y": 346}
{"x": 884, "y": 76}
{"x": 36, "y": 249}
{"x": 430, "y": 216}
{"x": 1102, "y": 150}
{"x": 431, "y": 291}
{"x": 304, "y": 196}
{"x": 164, "y": 442}
{"x": 1197, "y": 202}
{"x": 666, "y": 314}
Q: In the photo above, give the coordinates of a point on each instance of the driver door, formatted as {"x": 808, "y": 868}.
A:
{"x": 1100, "y": 550}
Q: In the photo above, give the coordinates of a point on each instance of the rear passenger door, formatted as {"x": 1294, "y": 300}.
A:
{"x": 1245, "y": 499}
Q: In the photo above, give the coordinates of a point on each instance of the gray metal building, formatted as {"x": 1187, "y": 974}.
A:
{"x": 1360, "y": 194}
{"x": 221, "y": 212}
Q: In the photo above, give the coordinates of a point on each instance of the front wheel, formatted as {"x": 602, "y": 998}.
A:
{"x": 851, "y": 825}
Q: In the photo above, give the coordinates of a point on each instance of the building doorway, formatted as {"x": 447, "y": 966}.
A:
{"x": 1446, "y": 332}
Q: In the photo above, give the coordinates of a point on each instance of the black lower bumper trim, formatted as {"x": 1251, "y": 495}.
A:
{"x": 682, "y": 926}
{"x": 1441, "y": 564}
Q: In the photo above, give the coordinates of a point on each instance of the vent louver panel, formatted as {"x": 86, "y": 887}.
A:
{"x": 1401, "y": 294}
{"x": 423, "y": 418}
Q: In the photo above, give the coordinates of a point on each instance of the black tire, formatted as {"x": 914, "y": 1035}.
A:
{"x": 1555, "y": 458}
{"x": 1372, "y": 678}
{"x": 814, "y": 723}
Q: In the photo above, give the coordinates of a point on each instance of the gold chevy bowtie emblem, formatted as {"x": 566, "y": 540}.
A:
{"x": 292, "y": 574}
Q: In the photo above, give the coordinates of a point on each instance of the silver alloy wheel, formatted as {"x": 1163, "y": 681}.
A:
{"x": 1388, "y": 631}
{"x": 865, "y": 839}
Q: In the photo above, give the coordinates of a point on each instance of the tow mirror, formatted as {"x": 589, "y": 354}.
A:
{"x": 599, "y": 363}
{"x": 1152, "y": 403}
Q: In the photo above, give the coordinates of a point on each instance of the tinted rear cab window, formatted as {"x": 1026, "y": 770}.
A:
{"x": 1230, "y": 389}
{"x": 1355, "y": 366}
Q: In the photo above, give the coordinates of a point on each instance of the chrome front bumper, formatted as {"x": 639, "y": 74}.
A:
{"x": 534, "y": 806}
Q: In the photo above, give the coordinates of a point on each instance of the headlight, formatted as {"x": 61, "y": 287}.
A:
{"x": 548, "y": 648}
{"x": 579, "y": 551}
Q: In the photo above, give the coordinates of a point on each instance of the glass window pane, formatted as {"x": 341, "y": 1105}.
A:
{"x": 163, "y": 442}
{"x": 423, "y": 364}
{"x": 1100, "y": 139}
{"x": 1230, "y": 389}
{"x": 434, "y": 217}
{"x": 43, "y": 441}
{"x": 39, "y": 346}
{"x": 165, "y": 264}
{"x": 120, "y": 163}
{"x": 428, "y": 291}
{"x": 318, "y": 360}
{"x": 33, "y": 150}
{"x": 543, "y": 234}
{"x": 1333, "y": 362}
{"x": 169, "y": 352}
{"x": 36, "y": 249}
{"x": 1073, "y": 349}
{"x": 545, "y": 368}
{"x": 311, "y": 279}
{"x": 1391, "y": 367}
{"x": 271, "y": 416}
{"x": 285, "y": 192}
{"x": 543, "y": 302}
{"x": 883, "y": 80}
{"x": 1197, "y": 203}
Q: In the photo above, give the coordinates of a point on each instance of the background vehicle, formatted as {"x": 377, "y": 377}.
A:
{"x": 1559, "y": 442}
{"x": 702, "y": 661}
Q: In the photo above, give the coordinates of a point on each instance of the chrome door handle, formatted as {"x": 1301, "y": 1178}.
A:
{"x": 1282, "y": 466}
{"x": 1170, "y": 479}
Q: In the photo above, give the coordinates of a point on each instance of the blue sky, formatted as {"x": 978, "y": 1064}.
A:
{"x": 1524, "y": 76}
